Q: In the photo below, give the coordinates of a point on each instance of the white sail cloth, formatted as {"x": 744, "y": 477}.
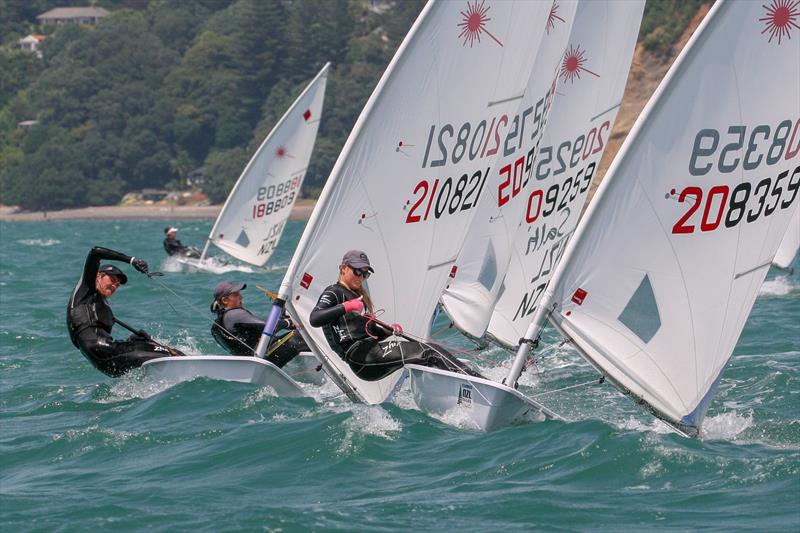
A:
{"x": 252, "y": 220}
{"x": 421, "y": 156}
{"x": 591, "y": 83}
{"x": 659, "y": 280}
{"x": 484, "y": 256}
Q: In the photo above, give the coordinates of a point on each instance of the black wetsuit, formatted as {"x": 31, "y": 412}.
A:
{"x": 238, "y": 331}
{"x": 371, "y": 351}
{"x": 89, "y": 320}
{"x": 175, "y": 247}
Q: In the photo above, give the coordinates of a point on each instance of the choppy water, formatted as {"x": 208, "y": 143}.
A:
{"x": 80, "y": 450}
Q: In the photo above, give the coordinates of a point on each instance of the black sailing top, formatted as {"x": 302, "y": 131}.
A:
{"x": 342, "y": 330}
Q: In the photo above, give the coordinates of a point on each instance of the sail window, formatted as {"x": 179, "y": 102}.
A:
{"x": 488, "y": 273}
{"x": 641, "y": 312}
{"x": 242, "y": 240}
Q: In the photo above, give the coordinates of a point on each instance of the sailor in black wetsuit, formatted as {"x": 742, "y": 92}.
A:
{"x": 89, "y": 317}
{"x": 238, "y": 330}
{"x": 174, "y": 247}
{"x": 372, "y": 350}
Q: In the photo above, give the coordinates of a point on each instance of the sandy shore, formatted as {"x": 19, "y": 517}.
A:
{"x": 301, "y": 211}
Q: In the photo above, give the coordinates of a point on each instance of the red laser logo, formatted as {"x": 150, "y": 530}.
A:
{"x": 781, "y": 18}
{"x": 573, "y": 64}
{"x": 473, "y": 24}
{"x": 553, "y": 17}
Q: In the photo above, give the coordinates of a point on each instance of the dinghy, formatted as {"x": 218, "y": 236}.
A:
{"x": 459, "y": 98}
{"x": 252, "y": 220}
{"x": 510, "y": 251}
{"x": 662, "y": 272}
{"x": 249, "y": 228}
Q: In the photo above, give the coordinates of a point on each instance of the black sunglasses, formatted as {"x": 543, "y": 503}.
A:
{"x": 361, "y": 272}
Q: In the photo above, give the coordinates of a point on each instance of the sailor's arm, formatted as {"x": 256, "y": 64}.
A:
{"x": 98, "y": 253}
{"x": 327, "y": 310}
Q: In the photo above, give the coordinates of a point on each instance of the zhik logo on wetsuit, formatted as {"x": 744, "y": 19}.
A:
{"x": 388, "y": 347}
{"x": 341, "y": 332}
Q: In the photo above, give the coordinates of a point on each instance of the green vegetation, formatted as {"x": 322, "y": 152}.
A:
{"x": 664, "y": 21}
{"x": 160, "y": 88}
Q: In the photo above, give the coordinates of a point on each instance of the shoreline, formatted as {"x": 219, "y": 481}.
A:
{"x": 301, "y": 211}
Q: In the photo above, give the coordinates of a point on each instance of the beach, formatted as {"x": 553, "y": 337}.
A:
{"x": 301, "y": 211}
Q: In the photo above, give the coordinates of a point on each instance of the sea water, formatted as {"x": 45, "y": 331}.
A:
{"x": 79, "y": 450}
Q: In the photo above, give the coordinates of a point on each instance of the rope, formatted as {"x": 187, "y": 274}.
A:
{"x": 567, "y": 388}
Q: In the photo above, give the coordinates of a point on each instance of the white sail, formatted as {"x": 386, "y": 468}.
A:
{"x": 251, "y": 222}
{"x": 421, "y": 156}
{"x": 790, "y": 243}
{"x": 478, "y": 272}
{"x": 657, "y": 283}
{"x": 592, "y": 74}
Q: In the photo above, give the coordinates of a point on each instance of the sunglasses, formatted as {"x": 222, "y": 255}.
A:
{"x": 114, "y": 280}
{"x": 361, "y": 272}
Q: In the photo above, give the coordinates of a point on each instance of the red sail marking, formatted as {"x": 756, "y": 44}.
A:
{"x": 579, "y": 296}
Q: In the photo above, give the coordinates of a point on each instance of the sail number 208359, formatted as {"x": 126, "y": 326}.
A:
{"x": 753, "y": 150}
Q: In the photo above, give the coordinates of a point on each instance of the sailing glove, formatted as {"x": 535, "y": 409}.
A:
{"x": 140, "y": 265}
{"x": 356, "y": 305}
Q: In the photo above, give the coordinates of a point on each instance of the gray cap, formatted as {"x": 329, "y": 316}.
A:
{"x": 111, "y": 270}
{"x": 357, "y": 259}
{"x": 224, "y": 288}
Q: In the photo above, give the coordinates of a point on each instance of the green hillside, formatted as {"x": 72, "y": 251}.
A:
{"x": 159, "y": 88}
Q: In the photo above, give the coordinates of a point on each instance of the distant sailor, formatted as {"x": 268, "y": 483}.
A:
{"x": 89, "y": 317}
{"x": 373, "y": 350}
{"x": 174, "y": 247}
{"x": 238, "y": 330}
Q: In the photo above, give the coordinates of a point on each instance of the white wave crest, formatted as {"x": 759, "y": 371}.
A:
{"x": 726, "y": 426}
{"x": 39, "y": 242}
{"x": 134, "y": 385}
{"x": 367, "y": 421}
{"x": 780, "y": 286}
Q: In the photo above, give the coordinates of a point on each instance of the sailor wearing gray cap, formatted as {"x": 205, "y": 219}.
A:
{"x": 372, "y": 349}
{"x": 89, "y": 317}
{"x": 238, "y": 330}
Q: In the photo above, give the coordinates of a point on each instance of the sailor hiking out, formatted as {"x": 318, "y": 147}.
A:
{"x": 89, "y": 317}
{"x": 372, "y": 349}
{"x": 238, "y": 330}
{"x": 173, "y": 246}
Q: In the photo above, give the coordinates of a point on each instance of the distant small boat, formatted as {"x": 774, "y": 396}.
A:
{"x": 252, "y": 220}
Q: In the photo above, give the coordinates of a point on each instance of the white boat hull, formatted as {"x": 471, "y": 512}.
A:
{"x": 224, "y": 367}
{"x": 487, "y": 405}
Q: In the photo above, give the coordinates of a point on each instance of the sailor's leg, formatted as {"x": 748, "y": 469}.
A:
{"x": 116, "y": 358}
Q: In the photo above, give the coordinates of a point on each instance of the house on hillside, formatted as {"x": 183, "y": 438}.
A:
{"x": 31, "y": 43}
{"x": 72, "y": 15}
